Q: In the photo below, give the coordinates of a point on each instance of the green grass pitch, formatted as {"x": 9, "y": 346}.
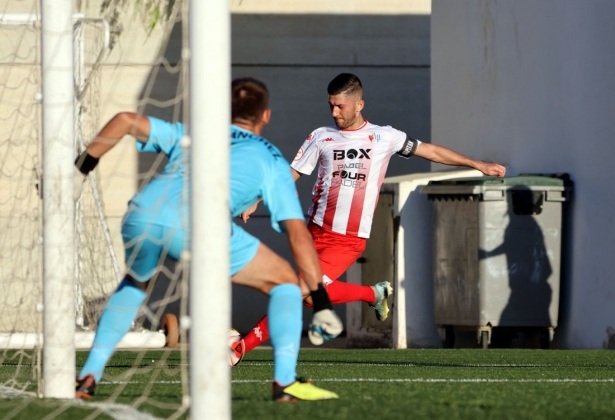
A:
{"x": 372, "y": 384}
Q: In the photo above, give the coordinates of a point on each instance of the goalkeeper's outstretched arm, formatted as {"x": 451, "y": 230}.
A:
{"x": 117, "y": 127}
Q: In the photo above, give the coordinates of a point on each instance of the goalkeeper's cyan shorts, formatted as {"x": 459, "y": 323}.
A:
{"x": 243, "y": 248}
{"x": 147, "y": 245}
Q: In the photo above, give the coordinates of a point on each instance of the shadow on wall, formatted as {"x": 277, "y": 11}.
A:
{"x": 297, "y": 56}
{"x": 499, "y": 264}
{"x": 528, "y": 267}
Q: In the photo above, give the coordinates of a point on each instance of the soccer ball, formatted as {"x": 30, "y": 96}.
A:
{"x": 236, "y": 347}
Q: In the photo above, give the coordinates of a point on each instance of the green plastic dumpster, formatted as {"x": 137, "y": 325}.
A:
{"x": 497, "y": 253}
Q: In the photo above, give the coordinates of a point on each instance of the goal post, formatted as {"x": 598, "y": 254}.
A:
{"x": 210, "y": 289}
{"x": 58, "y": 205}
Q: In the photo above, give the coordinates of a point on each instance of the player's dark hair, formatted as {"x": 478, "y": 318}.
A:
{"x": 250, "y": 98}
{"x": 346, "y": 83}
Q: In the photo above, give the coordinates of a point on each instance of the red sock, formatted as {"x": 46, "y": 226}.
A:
{"x": 258, "y": 335}
{"x": 341, "y": 292}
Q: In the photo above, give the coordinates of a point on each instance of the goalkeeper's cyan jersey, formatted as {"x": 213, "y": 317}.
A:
{"x": 258, "y": 170}
{"x": 351, "y": 167}
{"x": 160, "y": 201}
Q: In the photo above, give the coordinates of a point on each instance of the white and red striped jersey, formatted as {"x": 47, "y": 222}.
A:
{"x": 351, "y": 168}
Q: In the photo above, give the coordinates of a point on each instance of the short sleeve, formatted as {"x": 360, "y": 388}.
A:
{"x": 163, "y": 137}
{"x": 404, "y": 145}
{"x": 307, "y": 156}
{"x": 280, "y": 195}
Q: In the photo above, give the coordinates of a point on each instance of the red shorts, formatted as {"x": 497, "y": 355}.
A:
{"x": 336, "y": 252}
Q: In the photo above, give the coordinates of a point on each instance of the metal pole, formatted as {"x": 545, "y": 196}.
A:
{"x": 58, "y": 206}
{"x": 210, "y": 289}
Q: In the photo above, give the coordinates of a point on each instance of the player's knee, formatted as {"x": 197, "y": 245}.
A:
{"x": 284, "y": 274}
{"x": 287, "y": 275}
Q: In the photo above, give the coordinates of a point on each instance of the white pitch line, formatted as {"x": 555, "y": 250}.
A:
{"x": 115, "y": 411}
{"x": 409, "y": 364}
{"x": 443, "y": 380}
{"x": 8, "y": 392}
{"x": 138, "y": 382}
{"x": 427, "y": 364}
{"x": 395, "y": 380}
{"x": 119, "y": 411}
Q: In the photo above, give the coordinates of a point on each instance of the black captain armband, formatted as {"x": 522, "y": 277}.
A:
{"x": 320, "y": 298}
{"x": 408, "y": 148}
{"x": 86, "y": 163}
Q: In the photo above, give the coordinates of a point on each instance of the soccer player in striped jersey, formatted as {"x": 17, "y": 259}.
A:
{"x": 352, "y": 158}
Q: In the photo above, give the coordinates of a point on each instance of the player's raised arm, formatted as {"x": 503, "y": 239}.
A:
{"x": 120, "y": 125}
{"x": 446, "y": 156}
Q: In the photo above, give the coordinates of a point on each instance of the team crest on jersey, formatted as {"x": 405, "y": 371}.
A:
{"x": 299, "y": 154}
{"x": 374, "y": 137}
{"x": 328, "y": 139}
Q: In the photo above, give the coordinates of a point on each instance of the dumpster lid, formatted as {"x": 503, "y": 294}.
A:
{"x": 479, "y": 185}
{"x": 530, "y": 180}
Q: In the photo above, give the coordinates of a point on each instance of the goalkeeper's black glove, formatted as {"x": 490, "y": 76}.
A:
{"x": 325, "y": 323}
{"x": 83, "y": 165}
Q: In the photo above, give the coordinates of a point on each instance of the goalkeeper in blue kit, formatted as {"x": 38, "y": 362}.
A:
{"x": 153, "y": 229}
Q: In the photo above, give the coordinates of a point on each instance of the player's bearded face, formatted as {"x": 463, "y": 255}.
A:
{"x": 345, "y": 110}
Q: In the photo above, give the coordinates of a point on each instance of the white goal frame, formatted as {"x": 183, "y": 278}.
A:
{"x": 210, "y": 83}
{"x": 58, "y": 207}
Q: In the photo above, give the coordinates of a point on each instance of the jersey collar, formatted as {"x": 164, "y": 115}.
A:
{"x": 358, "y": 128}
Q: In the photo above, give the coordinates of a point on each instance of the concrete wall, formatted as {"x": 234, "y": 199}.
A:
{"x": 530, "y": 85}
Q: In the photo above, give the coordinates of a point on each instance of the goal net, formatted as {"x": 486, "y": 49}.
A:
{"x": 105, "y": 83}
{"x": 20, "y": 203}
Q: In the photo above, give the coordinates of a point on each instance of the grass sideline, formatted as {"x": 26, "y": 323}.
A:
{"x": 382, "y": 384}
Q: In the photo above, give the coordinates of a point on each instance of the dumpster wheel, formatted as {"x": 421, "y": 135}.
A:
{"x": 484, "y": 336}
{"x": 447, "y": 335}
